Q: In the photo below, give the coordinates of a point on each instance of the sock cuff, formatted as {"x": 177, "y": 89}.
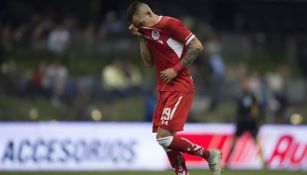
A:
{"x": 165, "y": 141}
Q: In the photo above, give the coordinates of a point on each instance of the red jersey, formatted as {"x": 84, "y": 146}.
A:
{"x": 167, "y": 42}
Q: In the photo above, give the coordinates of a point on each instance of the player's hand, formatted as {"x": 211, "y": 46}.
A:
{"x": 135, "y": 31}
{"x": 168, "y": 75}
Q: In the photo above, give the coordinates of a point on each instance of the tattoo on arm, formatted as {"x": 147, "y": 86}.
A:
{"x": 194, "y": 48}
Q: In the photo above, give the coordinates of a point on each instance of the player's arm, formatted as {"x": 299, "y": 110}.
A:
{"x": 145, "y": 54}
{"x": 194, "y": 49}
{"x": 194, "y": 46}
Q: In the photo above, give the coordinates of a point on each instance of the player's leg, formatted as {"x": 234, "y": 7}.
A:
{"x": 177, "y": 162}
{"x": 232, "y": 147}
{"x": 254, "y": 128}
{"x": 174, "y": 115}
{"x": 175, "y": 112}
{"x": 175, "y": 157}
{"x": 240, "y": 128}
{"x": 185, "y": 146}
{"x": 257, "y": 141}
{"x": 167, "y": 141}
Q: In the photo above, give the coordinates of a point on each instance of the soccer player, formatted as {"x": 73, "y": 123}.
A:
{"x": 248, "y": 114}
{"x": 169, "y": 46}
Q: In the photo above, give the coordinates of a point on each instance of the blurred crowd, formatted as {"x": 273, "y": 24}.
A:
{"x": 216, "y": 81}
{"x": 44, "y": 33}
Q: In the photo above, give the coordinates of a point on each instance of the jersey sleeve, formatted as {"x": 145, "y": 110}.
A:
{"x": 178, "y": 31}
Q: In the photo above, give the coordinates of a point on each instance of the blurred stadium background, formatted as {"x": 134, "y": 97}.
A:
{"x": 75, "y": 61}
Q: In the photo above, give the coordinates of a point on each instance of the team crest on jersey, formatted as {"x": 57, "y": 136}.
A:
{"x": 155, "y": 34}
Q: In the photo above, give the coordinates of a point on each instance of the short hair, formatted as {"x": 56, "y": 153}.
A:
{"x": 132, "y": 9}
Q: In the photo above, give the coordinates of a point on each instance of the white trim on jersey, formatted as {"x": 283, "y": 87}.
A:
{"x": 176, "y": 46}
{"x": 190, "y": 39}
{"x": 160, "y": 17}
{"x": 188, "y": 36}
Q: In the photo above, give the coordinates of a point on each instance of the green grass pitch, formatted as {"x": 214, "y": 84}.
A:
{"x": 193, "y": 172}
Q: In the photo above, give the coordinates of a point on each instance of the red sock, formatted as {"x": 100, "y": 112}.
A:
{"x": 177, "y": 162}
{"x": 185, "y": 146}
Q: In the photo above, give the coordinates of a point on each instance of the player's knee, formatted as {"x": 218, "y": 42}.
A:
{"x": 161, "y": 133}
{"x": 165, "y": 141}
